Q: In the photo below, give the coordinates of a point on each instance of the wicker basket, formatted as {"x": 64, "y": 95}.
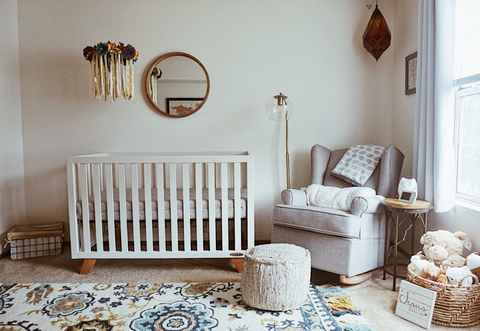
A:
{"x": 38, "y": 240}
{"x": 456, "y": 306}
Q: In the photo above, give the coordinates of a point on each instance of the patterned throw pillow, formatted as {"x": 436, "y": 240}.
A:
{"x": 358, "y": 164}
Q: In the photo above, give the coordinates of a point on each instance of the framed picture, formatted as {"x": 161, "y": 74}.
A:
{"x": 182, "y": 106}
{"x": 411, "y": 73}
{"x": 415, "y": 304}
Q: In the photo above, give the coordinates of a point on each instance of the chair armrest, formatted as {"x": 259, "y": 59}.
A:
{"x": 369, "y": 205}
{"x": 294, "y": 197}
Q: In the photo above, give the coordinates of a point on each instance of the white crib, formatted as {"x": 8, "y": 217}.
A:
{"x": 130, "y": 205}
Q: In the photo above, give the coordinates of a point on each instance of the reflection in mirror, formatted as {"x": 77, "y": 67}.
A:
{"x": 177, "y": 84}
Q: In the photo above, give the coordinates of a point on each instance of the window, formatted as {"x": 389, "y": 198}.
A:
{"x": 467, "y": 105}
{"x": 467, "y": 42}
{"x": 468, "y": 144}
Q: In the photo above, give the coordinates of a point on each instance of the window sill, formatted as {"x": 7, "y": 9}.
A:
{"x": 467, "y": 204}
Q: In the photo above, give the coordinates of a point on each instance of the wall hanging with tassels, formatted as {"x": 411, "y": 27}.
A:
{"x": 111, "y": 70}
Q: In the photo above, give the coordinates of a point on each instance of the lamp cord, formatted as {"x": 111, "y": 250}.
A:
{"x": 112, "y": 6}
{"x": 370, "y": 5}
{"x": 401, "y": 241}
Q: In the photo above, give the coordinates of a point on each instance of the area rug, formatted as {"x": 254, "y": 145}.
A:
{"x": 167, "y": 306}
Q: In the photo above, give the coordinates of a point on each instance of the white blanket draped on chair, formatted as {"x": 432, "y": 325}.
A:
{"x": 335, "y": 197}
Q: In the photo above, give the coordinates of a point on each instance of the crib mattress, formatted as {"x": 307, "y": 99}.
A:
{"x": 166, "y": 204}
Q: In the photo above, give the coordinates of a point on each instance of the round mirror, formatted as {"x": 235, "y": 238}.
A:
{"x": 177, "y": 84}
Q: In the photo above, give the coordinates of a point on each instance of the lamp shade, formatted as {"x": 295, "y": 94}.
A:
{"x": 377, "y": 36}
{"x": 279, "y": 108}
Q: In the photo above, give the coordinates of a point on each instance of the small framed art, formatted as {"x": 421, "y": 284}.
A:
{"x": 182, "y": 106}
{"x": 411, "y": 74}
{"x": 415, "y": 304}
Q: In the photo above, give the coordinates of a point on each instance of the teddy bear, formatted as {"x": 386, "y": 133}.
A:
{"x": 454, "y": 261}
{"x": 444, "y": 247}
{"x": 425, "y": 269}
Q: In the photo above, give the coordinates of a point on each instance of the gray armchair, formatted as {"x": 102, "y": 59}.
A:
{"x": 348, "y": 243}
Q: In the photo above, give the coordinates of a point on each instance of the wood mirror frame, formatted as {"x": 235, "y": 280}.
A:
{"x": 150, "y": 79}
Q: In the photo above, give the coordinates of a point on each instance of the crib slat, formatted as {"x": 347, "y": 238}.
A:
{"x": 122, "y": 192}
{"x": 250, "y": 210}
{"x": 198, "y": 205}
{"x": 89, "y": 179}
{"x": 72, "y": 206}
{"x": 211, "y": 206}
{"x": 173, "y": 206}
{"x": 147, "y": 185}
{"x": 97, "y": 205}
{"x": 137, "y": 245}
{"x": 237, "y": 206}
{"x": 224, "y": 204}
{"x": 83, "y": 187}
{"x": 110, "y": 209}
{"x": 186, "y": 206}
{"x": 160, "y": 206}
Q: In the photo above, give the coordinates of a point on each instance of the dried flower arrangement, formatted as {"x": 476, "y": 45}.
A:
{"x": 111, "y": 69}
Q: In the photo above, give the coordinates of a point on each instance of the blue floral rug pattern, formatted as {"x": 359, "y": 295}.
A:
{"x": 168, "y": 306}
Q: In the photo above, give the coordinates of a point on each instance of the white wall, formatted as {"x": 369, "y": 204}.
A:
{"x": 406, "y": 20}
{"x": 12, "y": 191}
{"x": 405, "y": 43}
{"x": 310, "y": 50}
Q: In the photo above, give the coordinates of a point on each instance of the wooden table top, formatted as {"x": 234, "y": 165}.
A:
{"x": 395, "y": 203}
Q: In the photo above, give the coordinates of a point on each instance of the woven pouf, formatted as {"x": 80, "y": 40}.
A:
{"x": 276, "y": 277}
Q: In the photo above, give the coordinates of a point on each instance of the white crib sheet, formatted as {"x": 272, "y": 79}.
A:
{"x": 166, "y": 204}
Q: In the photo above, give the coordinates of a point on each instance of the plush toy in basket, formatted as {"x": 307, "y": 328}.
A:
{"x": 440, "y": 267}
{"x": 473, "y": 263}
{"x": 441, "y": 259}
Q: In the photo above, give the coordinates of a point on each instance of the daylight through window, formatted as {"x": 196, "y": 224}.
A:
{"x": 467, "y": 106}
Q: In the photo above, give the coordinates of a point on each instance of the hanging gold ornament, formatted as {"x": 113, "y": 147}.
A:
{"x": 377, "y": 36}
{"x": 111, "y": 70}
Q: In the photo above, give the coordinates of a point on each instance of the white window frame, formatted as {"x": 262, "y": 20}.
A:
{"x": 462, "y": 199}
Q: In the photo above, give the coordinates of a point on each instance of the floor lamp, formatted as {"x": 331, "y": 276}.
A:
{"x": 279, "y": 109}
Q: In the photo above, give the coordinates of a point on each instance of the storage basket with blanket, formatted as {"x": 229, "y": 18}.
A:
{"x": 456, "y": 305}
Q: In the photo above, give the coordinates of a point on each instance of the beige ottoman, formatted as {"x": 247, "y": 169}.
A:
{"x": 276, "y": 277}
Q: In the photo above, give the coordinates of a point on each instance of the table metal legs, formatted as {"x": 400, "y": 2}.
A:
{"x": 413, "y": 216}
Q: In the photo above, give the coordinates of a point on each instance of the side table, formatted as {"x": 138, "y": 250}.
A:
{"x": 396, "y": 213}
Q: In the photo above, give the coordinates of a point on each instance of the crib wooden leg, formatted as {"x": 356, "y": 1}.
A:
{"x": 87, "y": 266}
{"x": 238, "y": 263}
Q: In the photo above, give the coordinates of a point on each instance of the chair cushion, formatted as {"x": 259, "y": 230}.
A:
{"x": 328, "y": 221}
